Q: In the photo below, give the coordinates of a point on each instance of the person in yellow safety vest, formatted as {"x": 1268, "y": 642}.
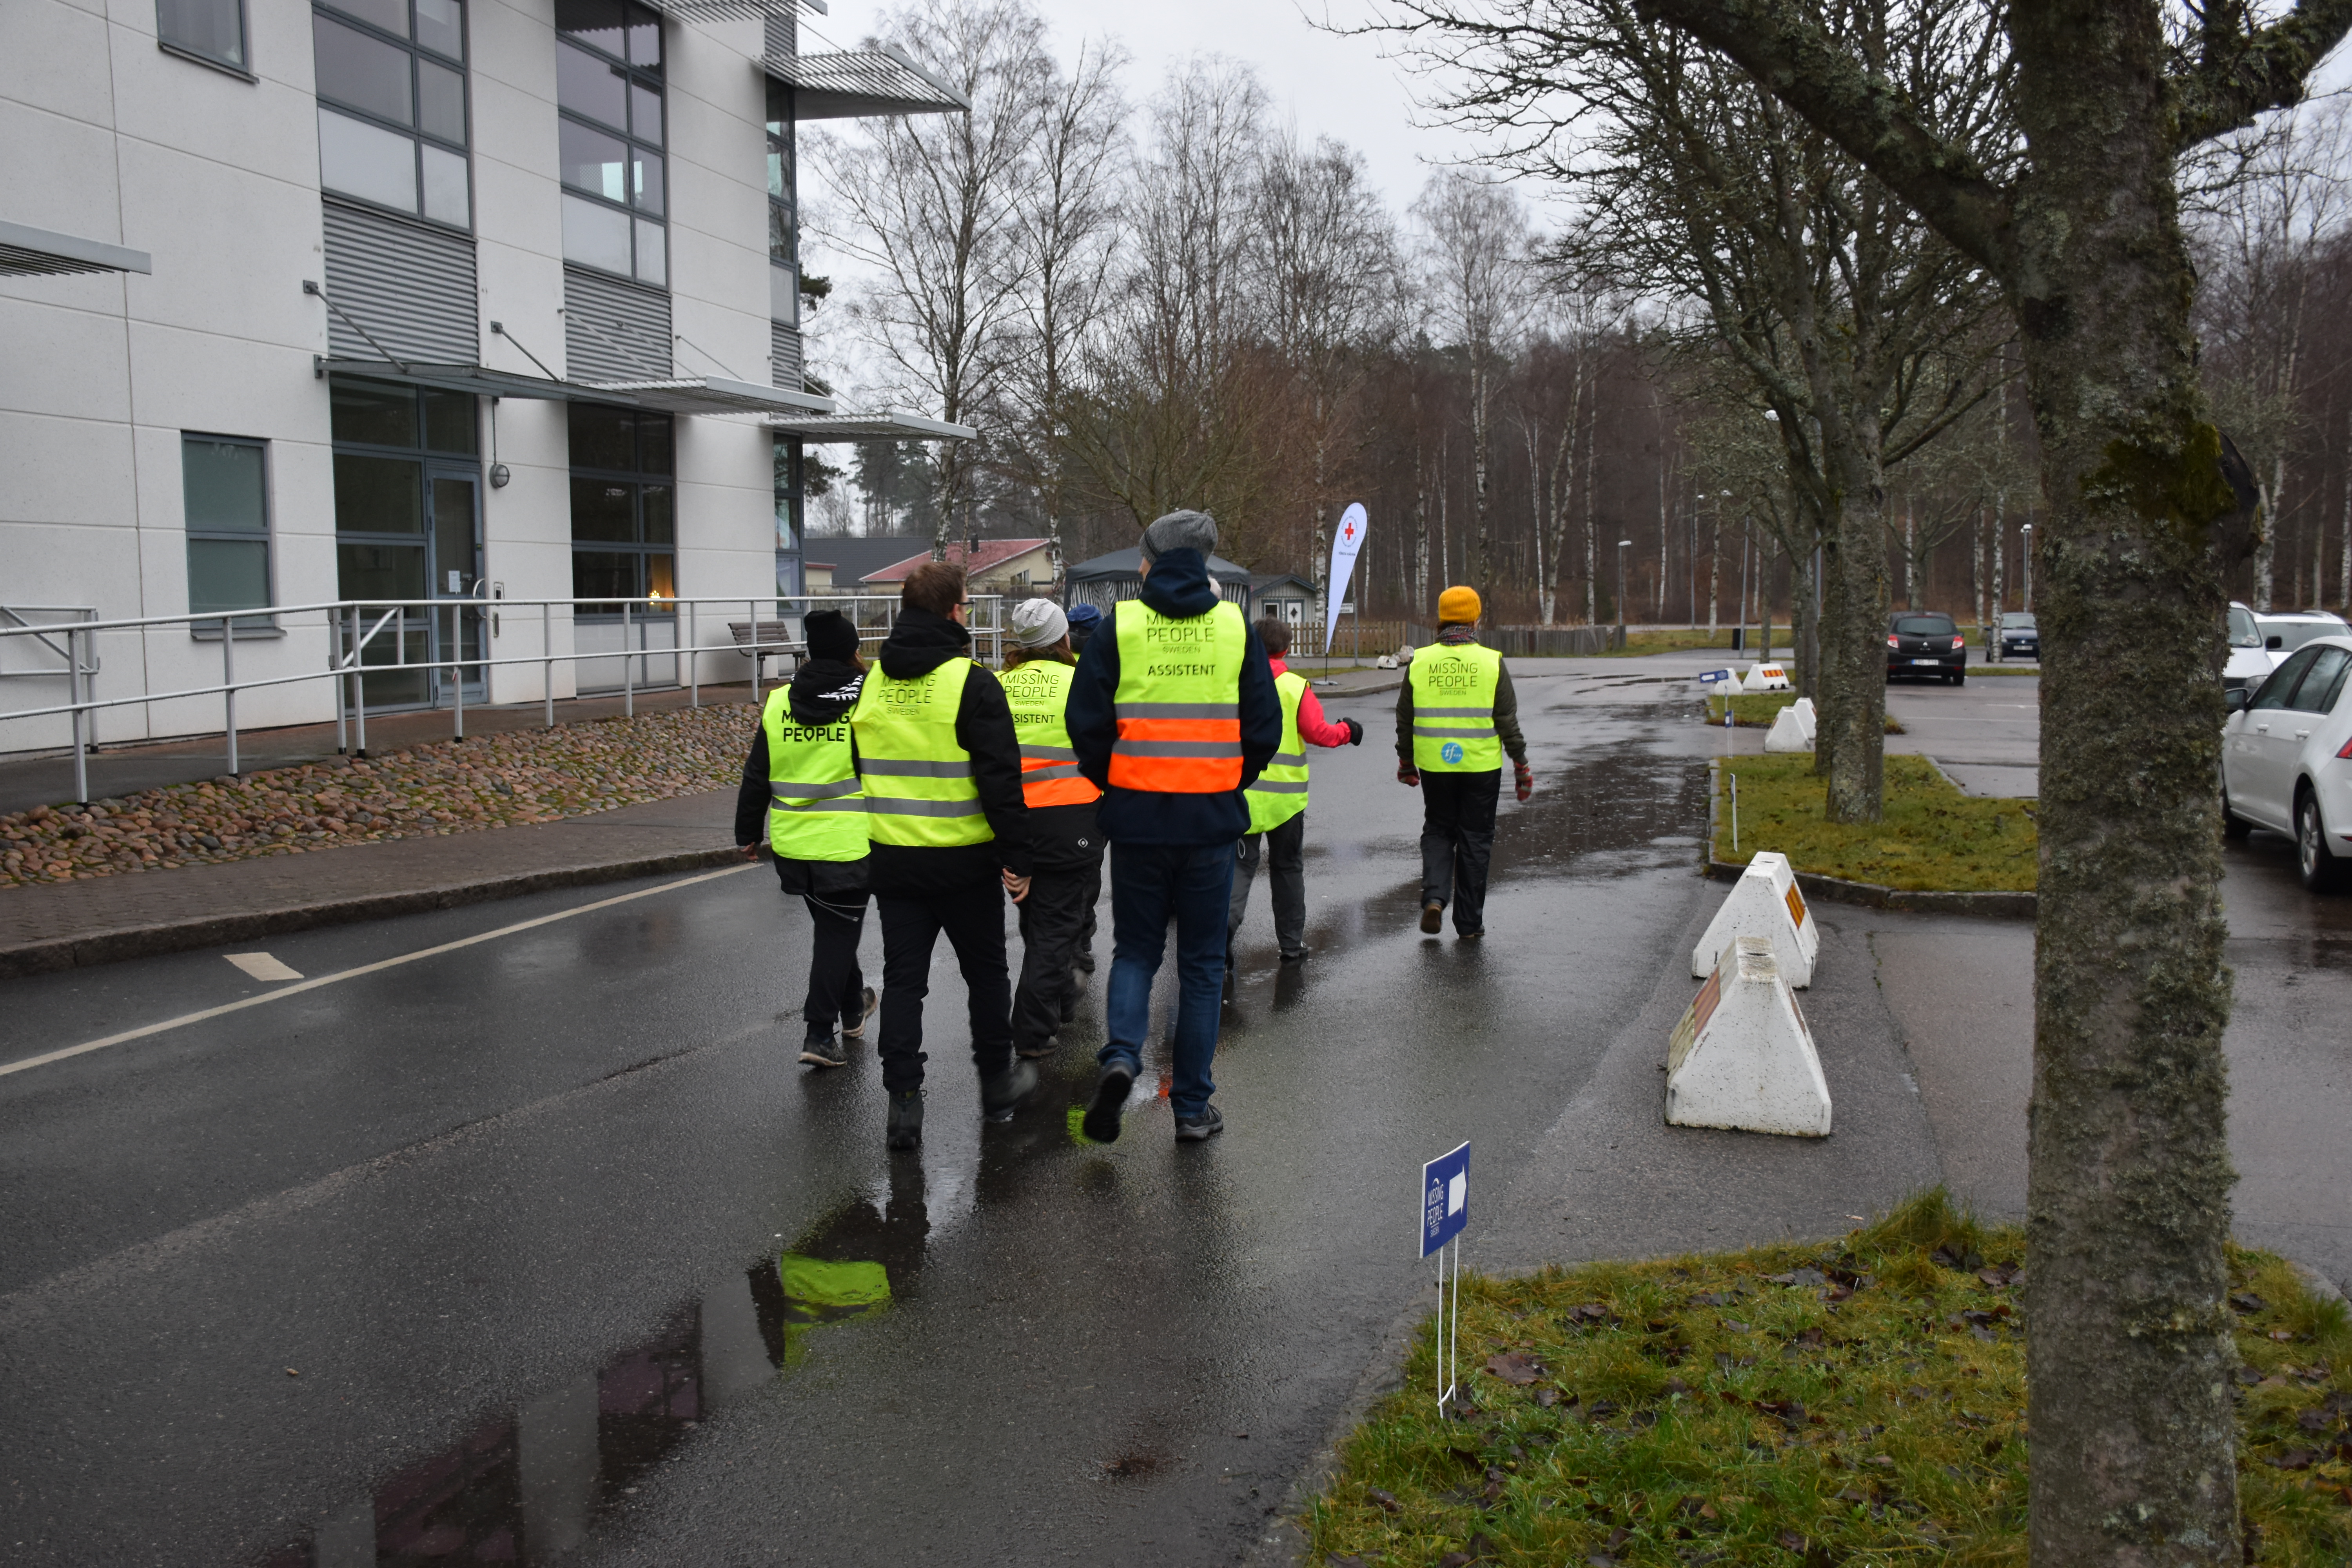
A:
{"x": 1277, "y": 806}
{"x": 1455, "y": 717}
{"x": 1174, "y": 713}
{"x": 1066, "y": 843}
{"x": 941, "y": 771}
{"x": 800, "y": 798}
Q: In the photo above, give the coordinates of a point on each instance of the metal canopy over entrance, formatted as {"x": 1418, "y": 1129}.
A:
{"x": 885, "y": 426}
{"x": 472, "y": 378}
{"x": 734, "y": 10}
{"x": 28, "y": 252}
{"x": 714, "y": 395}
{"x": 862, "y": 84}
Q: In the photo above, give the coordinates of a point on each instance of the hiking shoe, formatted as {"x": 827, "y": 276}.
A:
{"x": 857, "y": 1031}
{"x": 906, "y": 1129}
{"x": 1433, "y": 918}
{"x": 1470, "y": 935}
{"x": 1196, "y": 1128}
{"x": 823, "y": 1051}
{"x": 1101, "y": 1121}
{"x": 1000, "y": 1094}
{"x": 1036, "y": 1049}
{"x": 1298, "y": 957}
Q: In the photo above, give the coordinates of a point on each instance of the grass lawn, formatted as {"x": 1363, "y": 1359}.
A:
{"x": 1933, "y": 837}
{"x": 1858, "y": 1401}
{"x": 1756, "y": 711}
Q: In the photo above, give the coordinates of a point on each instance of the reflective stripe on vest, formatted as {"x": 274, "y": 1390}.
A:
{"x": 918, "y": 787}
{"x": 1279, "y": 794}
{"x": 1038, "y": 692}
{"x": 1454, "y": 708}
{"x": 816, "y": 809}
{"x": 1179, "y": 699}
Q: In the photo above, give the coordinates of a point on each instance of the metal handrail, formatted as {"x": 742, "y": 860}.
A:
{"x": 342, "y": 620}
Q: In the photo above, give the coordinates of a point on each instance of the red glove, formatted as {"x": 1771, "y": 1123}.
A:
{"x": 1523, "y": 779}
{"x": 1407, "y": 777}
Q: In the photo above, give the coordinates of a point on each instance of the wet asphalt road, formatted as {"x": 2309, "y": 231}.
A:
{"x": 479, "y": 1254}
{"x": 543, "y": 1248}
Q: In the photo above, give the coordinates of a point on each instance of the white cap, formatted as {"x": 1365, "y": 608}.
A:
{"x": 1039, "y": 622}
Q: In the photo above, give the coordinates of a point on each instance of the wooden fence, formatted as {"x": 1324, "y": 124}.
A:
{"x": 1521, "y": 642}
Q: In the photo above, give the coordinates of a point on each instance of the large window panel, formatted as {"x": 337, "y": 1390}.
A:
{"x": 224, "y": 484}
{"x": 624, "y": 528}
{"x": 392, "y": 16}
{"x": 449, "y": 422}
{"x": 441, "y": 26}
{"x": 366, "y": 161}
{"x": 592, "y": 161}
{"x": 597, "y": 235}
{"x": 653, "y": 263}
{"x": 588, "y": 86}
{"x": 603, "y": 511}
{"x": 441, "y": 102}
{"x": 362, "y": 72}
{"x": 448, "y": 197}
{"x": 378, "y": 495}
{"x": 209, "y": 29}
{"x": 372, "y": 412}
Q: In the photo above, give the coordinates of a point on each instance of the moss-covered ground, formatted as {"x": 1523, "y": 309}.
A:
{"x": 1931, "y": 837}
{"x": 1858, "y": 1401}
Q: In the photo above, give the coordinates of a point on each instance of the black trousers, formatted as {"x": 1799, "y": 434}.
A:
{"x": 836, "y": 989}
{"x": 973, "y": 919}
{"x": 1457, "y": 840}
{"x": 1052, "y": 918}
{"x": 1283, "y": 850}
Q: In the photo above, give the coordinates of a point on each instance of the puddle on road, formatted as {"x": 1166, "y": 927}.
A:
{"x": 529, "y": 1485}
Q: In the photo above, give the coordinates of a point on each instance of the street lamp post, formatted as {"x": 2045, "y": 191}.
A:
{"x": 2025, "y": 566}
{"x": 1623, "y": 545}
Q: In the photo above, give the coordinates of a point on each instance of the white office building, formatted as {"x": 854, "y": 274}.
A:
{"x": 475, "y": 302}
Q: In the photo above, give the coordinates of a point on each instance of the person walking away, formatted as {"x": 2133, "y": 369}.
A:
{"x": 941, "y": 771}
{"x": 1065, "y": 844}
{"x": 801, "y": 795}
{"x": 1277, "y": 806}
{"x": 1083, "y": 618}
{"x": 1455, "y": 717}
{"x": 1173, "y": 713}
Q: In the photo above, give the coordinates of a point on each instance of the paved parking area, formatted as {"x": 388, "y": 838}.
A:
{"x": 1987, "y": 734}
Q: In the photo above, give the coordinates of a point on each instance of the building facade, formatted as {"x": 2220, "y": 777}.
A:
{"x": 479, "y": 302}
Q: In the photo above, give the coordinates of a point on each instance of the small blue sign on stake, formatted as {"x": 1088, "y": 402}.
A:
{"x": 1445, "y": 1199}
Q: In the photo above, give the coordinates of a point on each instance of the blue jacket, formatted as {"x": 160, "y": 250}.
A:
{"x": 1177, "y": 586}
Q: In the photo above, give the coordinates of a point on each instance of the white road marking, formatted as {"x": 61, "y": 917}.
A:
{"x": 262, "y": 966}
{"x": 45, "y": 1058}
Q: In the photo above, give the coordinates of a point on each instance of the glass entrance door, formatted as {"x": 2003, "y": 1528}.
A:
{"x": 454, "y": 531}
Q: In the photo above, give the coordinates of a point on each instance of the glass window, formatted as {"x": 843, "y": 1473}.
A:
{"x": 783, "y": 187}
{"x": 378, "y": 495}
{"x": 2316, "y": 693}
{"x": 2243, "y": 633}
{"x": 608, "y": 95}
{"x": 449, "y": 422}
{"x": 366, "y": 161}
{"x": 1924, "y": 625}
{"x": 624, "y": 527}
{"x": 398, "y": 135}
{"x": 2279, "y": 689}
{"x": 225, "y": 486}
{"x": 372, "y": 412}
{"x": 209, "y": 29}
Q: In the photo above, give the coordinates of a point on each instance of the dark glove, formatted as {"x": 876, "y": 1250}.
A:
{"x": 1355, "y": 731}
{"x": 1407, "y": 777}
{"x": 1523, "y": 779}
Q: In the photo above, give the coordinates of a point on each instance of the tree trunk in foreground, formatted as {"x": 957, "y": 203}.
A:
{"x": 2128, "y": 1360}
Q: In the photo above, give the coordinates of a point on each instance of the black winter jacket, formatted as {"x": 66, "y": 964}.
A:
{"x": 918, "y": 644}
{"x": 1178, "y": 586}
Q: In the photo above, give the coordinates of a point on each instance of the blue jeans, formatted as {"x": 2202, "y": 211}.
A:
{"x": 1149, "y": 882}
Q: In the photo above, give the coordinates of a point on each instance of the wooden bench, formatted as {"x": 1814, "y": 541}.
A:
{"x": 775, "y": 639}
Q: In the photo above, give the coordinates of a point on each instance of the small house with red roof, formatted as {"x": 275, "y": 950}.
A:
{"x": 1013, "y": 567}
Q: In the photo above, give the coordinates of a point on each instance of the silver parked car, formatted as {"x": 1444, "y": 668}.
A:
{"x": 2286, "y": 758}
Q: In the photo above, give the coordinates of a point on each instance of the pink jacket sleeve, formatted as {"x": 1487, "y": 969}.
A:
{"x": 1315, "y": 729}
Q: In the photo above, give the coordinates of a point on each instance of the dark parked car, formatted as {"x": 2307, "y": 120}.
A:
{"x": 2020, "y": 637}
{"x": 1923, "y": 644}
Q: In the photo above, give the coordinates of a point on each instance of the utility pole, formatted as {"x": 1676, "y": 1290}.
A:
{"x": 1623, "y": 545}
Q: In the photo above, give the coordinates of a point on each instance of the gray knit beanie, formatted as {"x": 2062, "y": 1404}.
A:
{"x": 1180, "y": 531}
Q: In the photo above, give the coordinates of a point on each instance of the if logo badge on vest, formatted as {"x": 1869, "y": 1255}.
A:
{"x": 1451, "y": 751}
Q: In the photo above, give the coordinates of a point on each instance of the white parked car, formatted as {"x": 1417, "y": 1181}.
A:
{"x": 2249, "y": 663}
{"x": 2286, "y": 758}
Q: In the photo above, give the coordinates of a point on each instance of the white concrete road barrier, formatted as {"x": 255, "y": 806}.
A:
{"x": 1803, "y": 708}
{"x": 1766, "y": 902}
{"x": 1742, "y": 1056}
{"x": 1766, "y": 677}
{"x": 1788, "y": 734}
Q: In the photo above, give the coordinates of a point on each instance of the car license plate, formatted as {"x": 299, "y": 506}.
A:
{"x": 1926, "y": 661}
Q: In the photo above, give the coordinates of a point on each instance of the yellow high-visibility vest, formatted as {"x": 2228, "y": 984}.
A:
{"x": 816, "y": 809}
{"x": 919, "y": 785}
{"x": 1454, "y": 708}
{"x": 1279, "y": 794}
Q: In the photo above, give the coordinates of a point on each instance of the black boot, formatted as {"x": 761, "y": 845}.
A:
{"x": 906, "y": 1129}
{"x": 1000, "y": 1094}
{"x": 823, "y": 1051}
{"x": 1101, "y": 1121}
